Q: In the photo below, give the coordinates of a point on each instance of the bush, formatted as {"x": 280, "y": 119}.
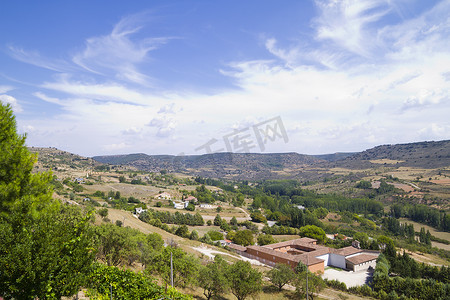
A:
{"x": 215, "y": 235}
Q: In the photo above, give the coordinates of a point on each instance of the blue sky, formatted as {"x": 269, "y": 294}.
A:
{"x": 168, "y": 77}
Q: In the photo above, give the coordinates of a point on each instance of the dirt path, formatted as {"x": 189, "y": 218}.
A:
{"x": 245, "y": 212}
{"x": 210, "y": 253}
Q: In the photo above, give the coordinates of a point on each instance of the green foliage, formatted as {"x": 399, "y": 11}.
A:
{"x": 78, "y": 188}
{"x": 233, "y": 221}
{"x": 185, "y": 267}
{"x": 363, "y": 184}
{"x": 155, "y": 241}
{"x": 182, "y": 231}
{"x": 280, "y": 275}
{"x": 46, "y": 249}
{"x": 314, "y": 232}
{"x": 190, "y": 207}
{"x": 212, "y": 278}
{"x": 194, "y": 235}
{"x": 258, "y": 217}
{"x": 300, "y": 268}
{"x": 99, "y": 194}
{"x": 315, "y": 284}
{"x": 126, "y": 285}
{"x": 265, "y": 239}
{"x": 176, "y": 218}
{"x": 243, "y": 279}
{"x": 217, "y": 220}
{"x": 385, "y": 188}
{"x": 16, "y": 164}
{"x": 103, "y": 212}
{"x": 321, "y": 212}
{"x": 424, "y": 238}
{"x": 243, "y": 237}
{"x": 117, "y": 244}
{"x": 363, "y": 238}
{"x": 47, "y": 255}
{"x": 133, "y": 200}
{"x": 215, "y": 235}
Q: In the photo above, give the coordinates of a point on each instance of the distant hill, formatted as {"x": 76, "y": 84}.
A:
{"x": 53, "y": 158}
{"x": 237, "y": 165}
{"x": 334, "y": 156}
{"x": 428, "y": 155}
{"x": 253, "y": 166}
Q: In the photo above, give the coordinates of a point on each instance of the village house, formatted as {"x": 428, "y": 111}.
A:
{"x": 139, "y": 210}
{"x": 315, "y": 257}
{"x": 191, "y": 199}
{"x": 180, "y": 205}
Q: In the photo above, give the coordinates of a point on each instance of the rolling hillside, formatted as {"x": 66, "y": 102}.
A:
{"x": 238, "y": 165}
{"x": 427, "y": 155}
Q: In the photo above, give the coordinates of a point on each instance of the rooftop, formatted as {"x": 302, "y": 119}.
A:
{"x": 362, "y": 258}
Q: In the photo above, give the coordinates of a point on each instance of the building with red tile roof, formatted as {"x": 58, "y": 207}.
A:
{"x": 306, "y": 250}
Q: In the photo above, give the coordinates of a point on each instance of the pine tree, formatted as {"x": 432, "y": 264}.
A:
{"x": 45, "y": 248}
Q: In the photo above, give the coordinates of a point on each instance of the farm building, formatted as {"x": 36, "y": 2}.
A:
{"x": 306, "y": 250}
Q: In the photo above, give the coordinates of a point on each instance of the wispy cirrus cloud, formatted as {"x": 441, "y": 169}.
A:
{"x": 347, "y": 23}
{"x": 118, "y": 53}
{"x": 36, "y": 59}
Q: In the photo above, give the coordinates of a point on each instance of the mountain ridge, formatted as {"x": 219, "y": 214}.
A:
{"x": 428, "y": 154}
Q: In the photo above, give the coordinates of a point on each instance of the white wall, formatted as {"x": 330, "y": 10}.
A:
{"x": 337, "y": 260}
{"x": 326, "y": 258}
{"x": 365, "y": 266}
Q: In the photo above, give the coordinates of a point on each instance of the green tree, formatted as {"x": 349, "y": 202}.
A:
{"x": 243, "y": 279}
{"x": 217, "y": 220}
{"x": 103, "y": 212}
{"x": 46, "y": 249}
{"x": 233, "y": 221}
{"x": 363, "y": 238}
{"x": 47, "y": 256}
{"x": 182, "y": 231}
{"x": 281, "y": 275}
{"x": 314, "y": 232}
{"x": 321, "y": 212}
{"x": 155, "y": 241}
{"x": 194, "y": 235}
{"x": 258, "y": 217}
{"x": 115, "y": 245}
{"x": 315, "y": 284}
{"x": 126, "y": 284}
{"x": 243, "y": 237}
{"x": 265, "y": 239}
{"x": 185, "y": 268}
{"x": 215, "y": 235}
{"x": 212, "y": 278}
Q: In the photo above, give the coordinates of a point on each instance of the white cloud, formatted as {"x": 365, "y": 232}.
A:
{"x": 340, "y": 97}
{"x": 105, "y": 91}
{"x": 34, "y": 58}
{"x": 115, "y": 147}
{"x": 46, "y": 98}
{"x": 11, "y": 100}
{"x": 164, "y": 125}
{"x": 167, "y": 109}
{"x": 347, "y": 23}
{"x": 117, "y": 52}
{"x": 5, "y": 89}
